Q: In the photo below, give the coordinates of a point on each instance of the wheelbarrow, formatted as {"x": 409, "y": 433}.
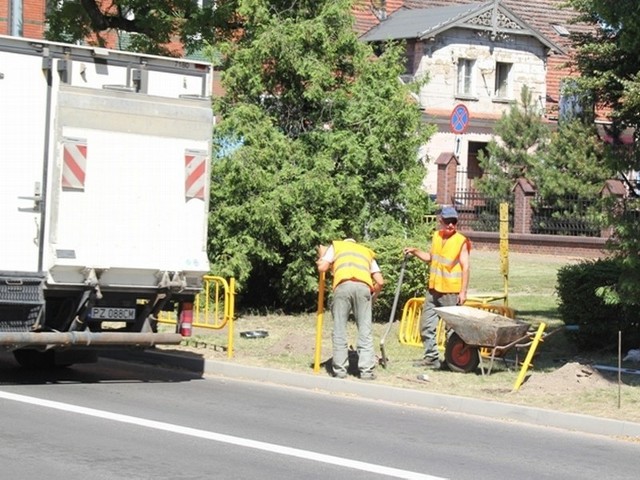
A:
{"x": 472, "y": 329}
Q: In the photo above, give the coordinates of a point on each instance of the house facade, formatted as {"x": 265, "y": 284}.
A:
{"x": 477, "y": 58}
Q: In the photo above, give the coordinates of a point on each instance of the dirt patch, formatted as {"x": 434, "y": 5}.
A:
{"x": 571, "y": 377}
{"x": 294, "y": 343}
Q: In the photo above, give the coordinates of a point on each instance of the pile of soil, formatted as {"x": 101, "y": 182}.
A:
{"x": 571, "y": 377}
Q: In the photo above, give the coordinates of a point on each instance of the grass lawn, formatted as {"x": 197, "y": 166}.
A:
{"x": 532, "y": 282}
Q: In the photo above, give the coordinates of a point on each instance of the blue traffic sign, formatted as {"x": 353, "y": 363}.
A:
{"x": 459, "y": 119}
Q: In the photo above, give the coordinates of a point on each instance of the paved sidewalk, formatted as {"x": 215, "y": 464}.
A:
{"x": 376, "y": 391}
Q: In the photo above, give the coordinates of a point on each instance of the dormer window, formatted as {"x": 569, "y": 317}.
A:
{"x": 560, "y": 30}
{"x": 465, "y": 77}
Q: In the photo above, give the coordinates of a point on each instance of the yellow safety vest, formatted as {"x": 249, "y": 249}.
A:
{"x": 445, "y": 272}
{"x": 352, "y": 262}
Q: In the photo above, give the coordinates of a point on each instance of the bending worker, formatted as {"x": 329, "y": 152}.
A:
{"x": 449, "y": 268}
{"x": 356, "y": 281}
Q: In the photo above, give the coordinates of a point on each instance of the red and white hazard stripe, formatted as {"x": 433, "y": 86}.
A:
{"x": 195, "y": 168}
{"x": 74, "y": 164}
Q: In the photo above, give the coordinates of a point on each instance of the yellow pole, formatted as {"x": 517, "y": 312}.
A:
{"x": 316, "y": 361}
{"x": 231, "y": 301}
{"x": 504, "y": 249}
{"x": 530, "y": 353}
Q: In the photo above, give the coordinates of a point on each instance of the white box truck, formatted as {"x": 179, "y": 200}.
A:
{"x": 104, "y": 181}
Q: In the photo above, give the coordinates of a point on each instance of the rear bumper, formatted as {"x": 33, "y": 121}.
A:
{"x": 47, "y": 340}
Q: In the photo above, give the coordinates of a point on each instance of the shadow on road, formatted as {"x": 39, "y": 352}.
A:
{"x": 112, "y": 367}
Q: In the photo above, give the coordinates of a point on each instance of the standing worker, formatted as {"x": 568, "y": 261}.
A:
{"x": 357, "y": 280}
{"x": 448, "y": 280}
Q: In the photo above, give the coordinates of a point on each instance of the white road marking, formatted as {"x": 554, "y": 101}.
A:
{"x": 218, "y": 437}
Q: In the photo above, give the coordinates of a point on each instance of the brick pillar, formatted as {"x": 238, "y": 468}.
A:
{"x": 447, "y": 172}
{"x": 614, "y": 190}
{"x": 523, "y": 193}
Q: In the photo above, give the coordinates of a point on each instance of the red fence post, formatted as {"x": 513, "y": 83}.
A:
{"x": 447, "y": 171}
{"x": 615, "y": 189}
{"x": 523, "y": 193}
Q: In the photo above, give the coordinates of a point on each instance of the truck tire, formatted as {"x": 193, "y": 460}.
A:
{"x": 34, "y": 359}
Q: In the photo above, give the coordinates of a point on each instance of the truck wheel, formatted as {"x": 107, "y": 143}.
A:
{"x": 34, "y": 359}
{"x": 459, "y": 356}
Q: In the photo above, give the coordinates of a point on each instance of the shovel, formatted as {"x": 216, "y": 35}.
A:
{"x": 383, "y": 356}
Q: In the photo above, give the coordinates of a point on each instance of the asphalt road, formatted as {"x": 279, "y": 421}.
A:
{"x": 118, "y": 420}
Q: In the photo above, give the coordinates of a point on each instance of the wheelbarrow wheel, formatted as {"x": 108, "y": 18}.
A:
{"x": 459, "y": 356}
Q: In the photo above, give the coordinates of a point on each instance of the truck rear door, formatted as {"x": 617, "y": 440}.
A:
{"x": 24, "y": 120}
{"x": 126, "y": 203}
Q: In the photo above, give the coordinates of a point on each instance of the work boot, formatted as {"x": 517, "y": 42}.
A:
{"x": 431, "y": 364}
{"x": 367, "y": 376}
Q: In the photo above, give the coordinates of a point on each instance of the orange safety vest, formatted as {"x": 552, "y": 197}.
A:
{"x": 352, "y": 262}
{"x": 445, "y": 272}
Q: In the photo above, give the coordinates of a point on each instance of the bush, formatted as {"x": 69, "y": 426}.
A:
{"x": 389, "y": 257}
{"x": 598, "y": 323}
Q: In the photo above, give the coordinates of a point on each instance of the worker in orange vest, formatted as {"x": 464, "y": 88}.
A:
{"x": 357, "y": 280}
{"x": 449, "y": 268}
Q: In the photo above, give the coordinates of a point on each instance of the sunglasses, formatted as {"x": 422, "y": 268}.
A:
{"x": 452, "y": 221}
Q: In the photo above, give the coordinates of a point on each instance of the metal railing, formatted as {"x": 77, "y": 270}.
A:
{"x": 572, "y": 216}
{"x": 479, "y": 213}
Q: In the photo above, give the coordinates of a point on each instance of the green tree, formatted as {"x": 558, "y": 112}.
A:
{"x": 569, "y": 177}
{"x": 151, "y": 25}
{"x": 565, "y": 165}
{"x": 572, "y": 163}
{"x": 515, "y": 153}
{"x": 565, "y": 162}
{"x": 318, "y": 140}
{"x": 608, "y": 57}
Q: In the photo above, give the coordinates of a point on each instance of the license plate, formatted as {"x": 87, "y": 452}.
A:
{"x": 111, "y": 313}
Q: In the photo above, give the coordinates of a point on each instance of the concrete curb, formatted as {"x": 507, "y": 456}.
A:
{"x": 375, "y": 391}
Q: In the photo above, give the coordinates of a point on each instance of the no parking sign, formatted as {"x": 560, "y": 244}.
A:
{"x": 459, "y": 119}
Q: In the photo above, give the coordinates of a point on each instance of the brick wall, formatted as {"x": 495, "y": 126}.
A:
{"x": 4, "y": 17}
{"x": 32, "y": 18}
{"x": 33, "y": 12}
{"x": 580, "y": 247}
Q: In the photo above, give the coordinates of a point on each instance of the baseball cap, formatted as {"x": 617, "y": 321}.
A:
{"x": 448, "y": 212}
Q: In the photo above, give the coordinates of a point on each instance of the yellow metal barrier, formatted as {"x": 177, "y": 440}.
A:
{"x": 409, "y": 331}
{"x": 213, "y": 308}
{"x": 527, "y": 362}
{"x": 497, "y": 309}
